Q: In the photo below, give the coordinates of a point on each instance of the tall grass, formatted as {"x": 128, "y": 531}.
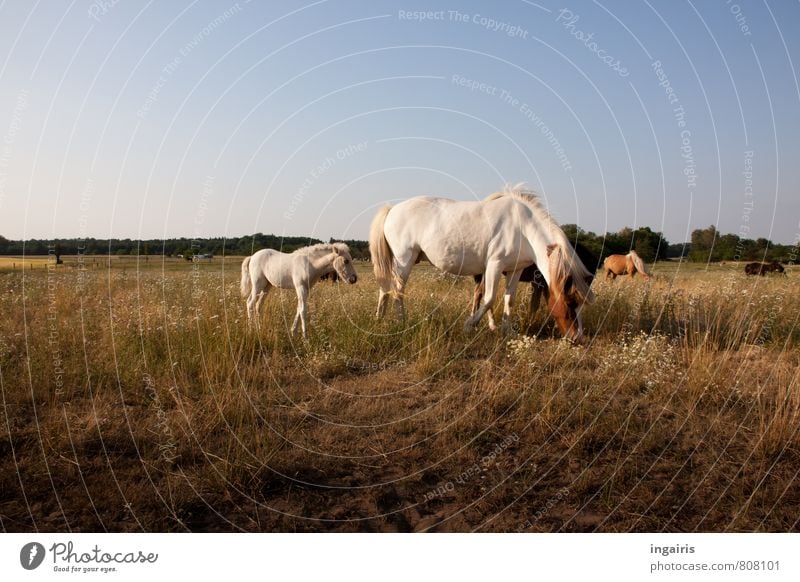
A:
{"x": 141, "y": 399}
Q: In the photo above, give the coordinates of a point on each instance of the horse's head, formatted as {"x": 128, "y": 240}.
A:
{"x": 568, "y": 291}
{"x": 343, "y": 264}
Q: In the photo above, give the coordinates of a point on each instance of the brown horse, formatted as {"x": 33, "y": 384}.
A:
{"x": 762, "y": 269}
{"x": 629, "y": 264}
{"x": 539, "y": 287}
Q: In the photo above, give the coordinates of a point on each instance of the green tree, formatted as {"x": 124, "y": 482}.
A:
{"x": 649, "y": 245}
{"x": 703, "y": 241}
{"x": 727, "y": 247}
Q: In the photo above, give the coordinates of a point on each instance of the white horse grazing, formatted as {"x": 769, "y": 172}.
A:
{"x": 506, "y": 232}
{"x": 298, "y": 270}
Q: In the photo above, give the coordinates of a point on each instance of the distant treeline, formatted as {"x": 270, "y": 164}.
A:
{"x": 244, "y": 245}
{"x": 707, "y": 244}
{"x": 648, "y": 244}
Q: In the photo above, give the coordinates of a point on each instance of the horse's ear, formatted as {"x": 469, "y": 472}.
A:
{"x": 551, "y": 248}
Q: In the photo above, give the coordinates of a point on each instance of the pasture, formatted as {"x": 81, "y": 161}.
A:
{"x": 136, "y": 398}
{"x": 20, "y": 263}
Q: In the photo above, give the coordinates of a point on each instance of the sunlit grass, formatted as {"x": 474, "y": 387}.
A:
{"x": 154, "y": 371}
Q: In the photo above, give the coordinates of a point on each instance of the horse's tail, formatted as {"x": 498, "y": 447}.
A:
{"x": 246, "y": 285}
{"x": 379, "y": 250}
{"x": 638, "y": 263}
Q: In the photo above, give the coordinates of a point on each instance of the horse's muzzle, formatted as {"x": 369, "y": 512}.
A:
{"x": 352, "y": 279}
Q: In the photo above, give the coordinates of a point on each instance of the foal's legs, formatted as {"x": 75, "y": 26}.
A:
{"x": 301, "y": 316}
{"x": 257, "y": 293}
{"x": 261, "y": 296}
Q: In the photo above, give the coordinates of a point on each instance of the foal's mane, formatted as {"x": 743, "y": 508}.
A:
{"x": 566, "y": 261}
{"x": 322, "y": 247}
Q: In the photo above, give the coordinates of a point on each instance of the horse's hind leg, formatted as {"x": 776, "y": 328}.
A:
{"x": 262, "y": 295}
{"x": 383, "y": 301}
{"x": 403, "y": 266}
{"x": 259, "y": 289}
{"x": 301, "y": 316}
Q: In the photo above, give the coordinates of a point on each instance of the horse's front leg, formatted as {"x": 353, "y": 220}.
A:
{"x": 508, "y": 299}
{"x": 295, "y": 322}
{"x": 476, "y": 301}
{"x": 491, "y": 280}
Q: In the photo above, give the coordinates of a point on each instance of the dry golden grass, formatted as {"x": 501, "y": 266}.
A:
{"x": 19, "y": 263}
{"x": 138, "y": 399}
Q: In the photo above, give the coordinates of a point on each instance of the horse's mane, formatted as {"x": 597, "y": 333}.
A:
{"x": 530, "y": 198}
{"x": 567, "y": 262}
{"x": 322, "y": 247}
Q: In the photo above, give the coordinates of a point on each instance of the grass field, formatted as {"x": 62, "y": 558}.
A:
{"x": 136, "y": 398}
{"x": 19, "y": 263}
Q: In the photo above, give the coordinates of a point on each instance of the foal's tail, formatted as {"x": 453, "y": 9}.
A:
{"x": 638, "y": 263}
{"x": 246, "y": 284}
{"x": 379, "y": 250}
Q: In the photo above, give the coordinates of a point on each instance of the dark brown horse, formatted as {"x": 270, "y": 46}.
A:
{"x": 759, "y": 268}
{"x": 534, "y": 276}
{"x": 333, "y": 277}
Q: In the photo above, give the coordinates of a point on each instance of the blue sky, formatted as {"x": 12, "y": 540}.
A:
{"x": 157, "y": 120}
